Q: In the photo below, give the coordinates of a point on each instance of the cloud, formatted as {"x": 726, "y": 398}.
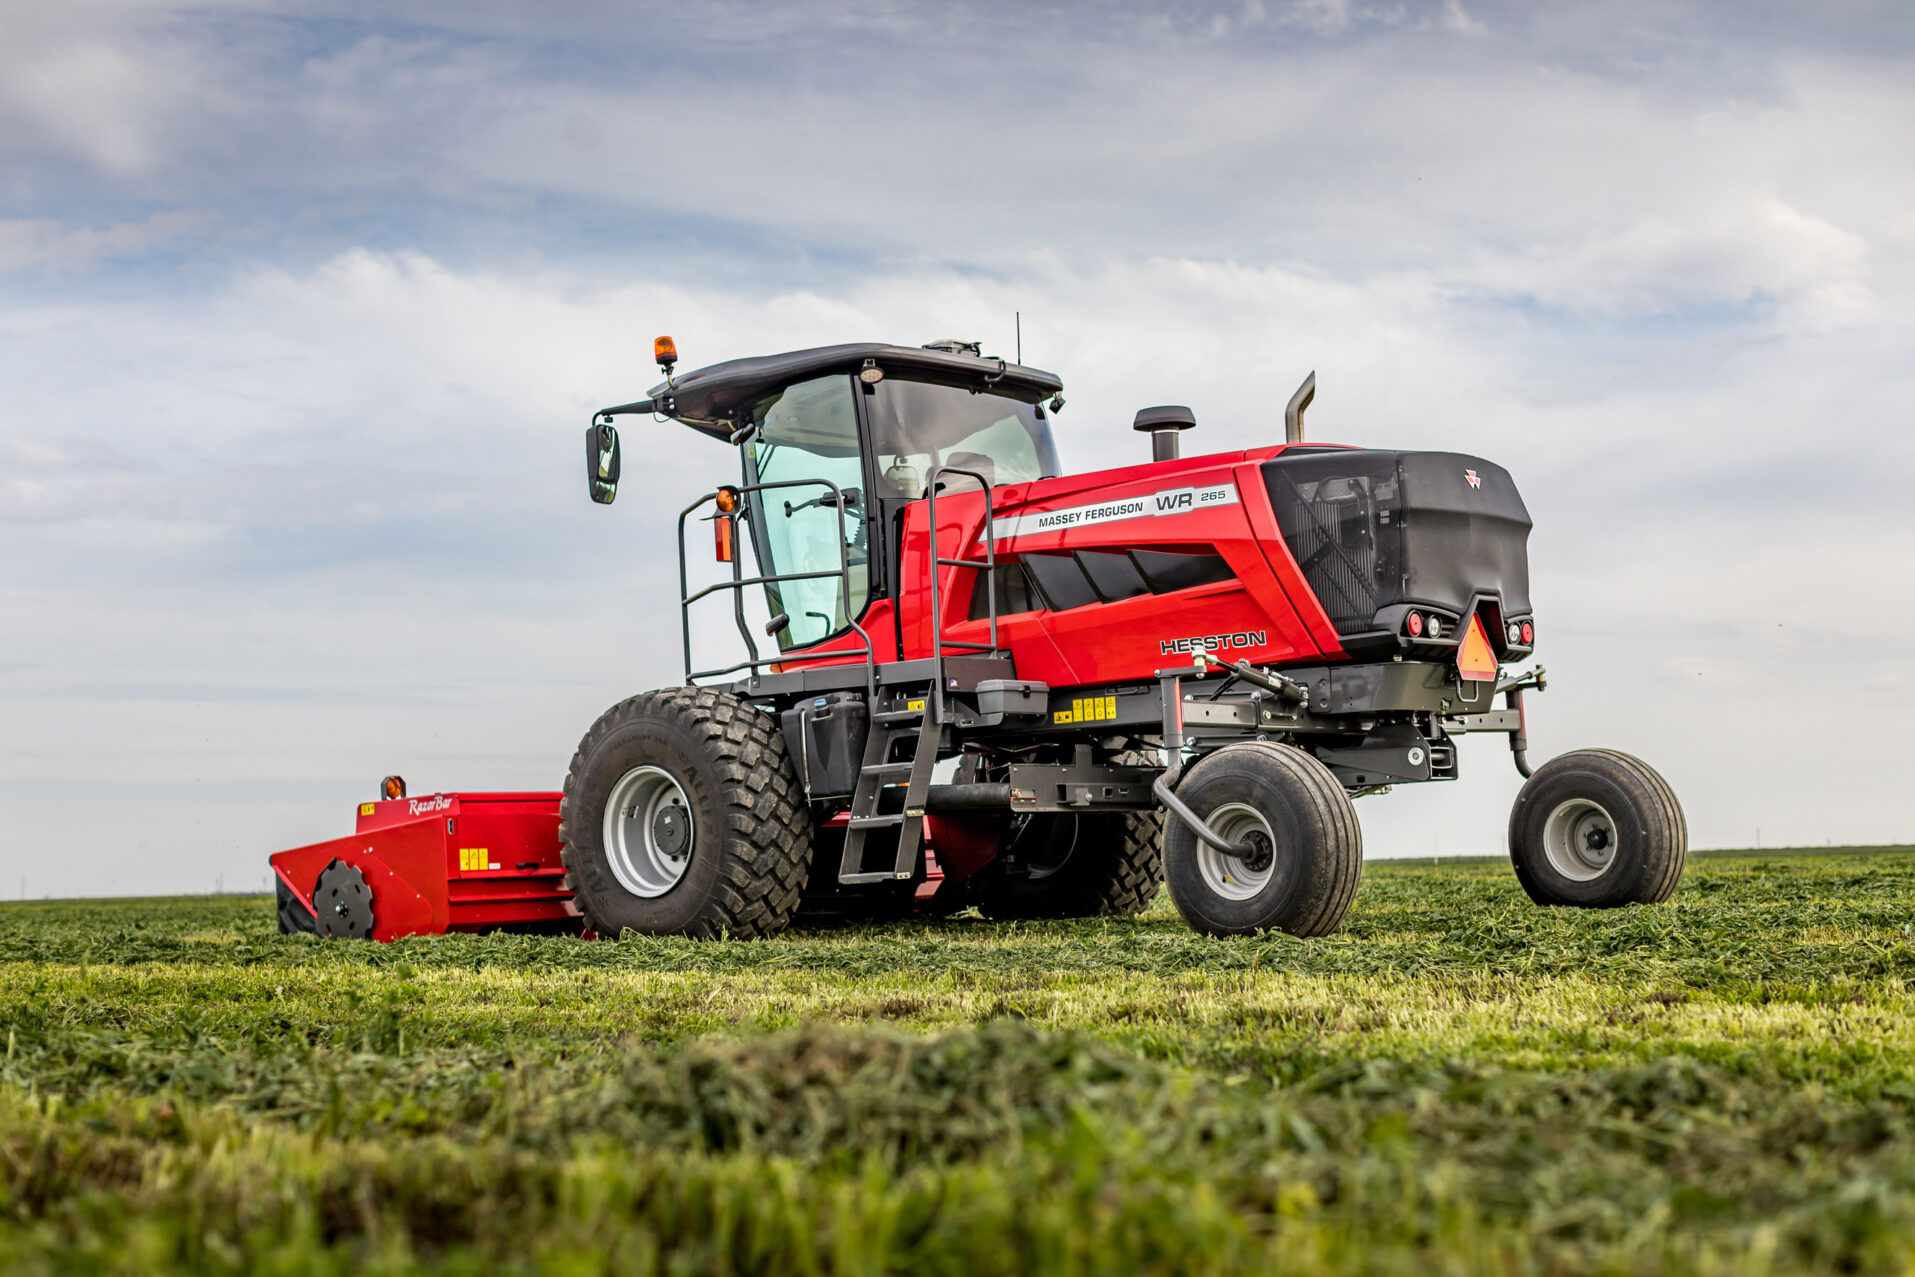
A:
{"x": 55, "y": 247}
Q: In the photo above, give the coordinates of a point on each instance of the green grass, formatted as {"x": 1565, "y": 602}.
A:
{"x": 1458, "y": 1081}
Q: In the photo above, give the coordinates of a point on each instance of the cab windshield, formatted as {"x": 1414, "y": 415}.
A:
{"x": 916, "y": 425}
{"x": 809, "y": 431}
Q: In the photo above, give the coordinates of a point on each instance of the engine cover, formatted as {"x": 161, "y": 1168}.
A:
{"x": 1375, "y": 531}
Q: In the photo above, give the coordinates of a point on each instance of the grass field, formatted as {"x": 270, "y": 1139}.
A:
{"x": 1456, "y": 1082}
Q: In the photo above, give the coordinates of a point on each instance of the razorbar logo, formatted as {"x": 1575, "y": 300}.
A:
{"x": 1213, "y": 642}
{"x": 426, "y": 806}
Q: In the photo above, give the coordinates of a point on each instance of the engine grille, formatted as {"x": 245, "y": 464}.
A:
{"x": 1342, "y": 531}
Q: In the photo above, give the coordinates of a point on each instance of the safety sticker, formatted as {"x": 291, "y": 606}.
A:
{"x": 1150, "y": 505}
{"x": 917, "y": 706}
{"x": 1087, "y": 709}
{"x": 476, "y": 858}
{"x": 367, "y": 809}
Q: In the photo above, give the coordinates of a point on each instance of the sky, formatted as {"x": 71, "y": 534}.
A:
{"x": 303, "y": 309}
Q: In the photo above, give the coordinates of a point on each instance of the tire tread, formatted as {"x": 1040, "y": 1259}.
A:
{"x": 1668, "y": 835}
{"x": 760, "y": 879}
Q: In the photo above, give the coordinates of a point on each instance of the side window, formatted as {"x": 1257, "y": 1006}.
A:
{"x": 809, "y": 431}
{"x": 1002, "y": 452}
{"x": 917, "y": 425}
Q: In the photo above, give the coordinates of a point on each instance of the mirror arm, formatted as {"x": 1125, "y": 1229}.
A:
{"x": 627, "y": 409}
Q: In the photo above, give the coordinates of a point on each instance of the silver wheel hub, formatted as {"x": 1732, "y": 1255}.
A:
{"x": 649, "y": 835}
{"x": 1579, "y": 840}
{"x": 1228, "y": 876}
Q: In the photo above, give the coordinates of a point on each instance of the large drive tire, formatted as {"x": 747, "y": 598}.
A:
{"x": 1091, "y": 865}
{"x": 683, "y": 815}
{"x": 1309, "y": 879}
{"x": 1596, "y": 829}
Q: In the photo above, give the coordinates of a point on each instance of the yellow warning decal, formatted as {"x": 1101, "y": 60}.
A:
{"x": 475, "y": 858}
{"x": 366, "y": 809}
{"x": 915, "y": 705}
{"x": 1475, "y": 660}
{"x": 1087, "y": 709}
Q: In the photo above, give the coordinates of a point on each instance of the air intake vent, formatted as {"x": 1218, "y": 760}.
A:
{"x": 1060, "y": 582}
{"x": 1340, "y": 518}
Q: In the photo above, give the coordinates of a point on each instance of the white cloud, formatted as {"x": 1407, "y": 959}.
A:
{"x": 56, "y": 247}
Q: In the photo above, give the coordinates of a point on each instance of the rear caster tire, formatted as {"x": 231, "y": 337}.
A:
{"x": 1308, "y": 879}
{"x": 682, "y": 815}
{"x": 1080, "y": 866}
{"x": 1596, "y": 829}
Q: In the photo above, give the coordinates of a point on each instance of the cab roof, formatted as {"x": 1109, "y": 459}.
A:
{"x": 710, "y": 399}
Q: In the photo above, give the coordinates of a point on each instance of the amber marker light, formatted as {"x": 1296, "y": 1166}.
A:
{"x": 392, "y": 788}
{"x": 728, "y": 499}
{"x": 665, "y": 352}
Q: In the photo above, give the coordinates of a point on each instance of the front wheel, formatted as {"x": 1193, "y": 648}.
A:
{"x": 1309, "y": 845}
{"x": 1596, "y": 829}
{"x": 682, "y": 814}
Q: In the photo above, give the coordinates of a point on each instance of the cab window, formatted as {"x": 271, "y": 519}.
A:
{"x": 809, "y": 431}
{"x": 916, "y": 425}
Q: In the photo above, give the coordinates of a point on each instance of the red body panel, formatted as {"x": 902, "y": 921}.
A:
{"x": 1268, "y": 612}
{"x": 448, "y": 862}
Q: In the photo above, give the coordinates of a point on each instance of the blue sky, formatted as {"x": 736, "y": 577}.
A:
{"x": 301, "y": 310}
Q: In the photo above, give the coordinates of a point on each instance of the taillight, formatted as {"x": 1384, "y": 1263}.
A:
{"x": 1529, "y": 634}
{"x": 1415, "y": 624}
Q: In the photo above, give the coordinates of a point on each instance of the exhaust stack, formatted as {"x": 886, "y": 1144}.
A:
{"x": 1293, "y": 414}
{"x": 1163, "y": 423}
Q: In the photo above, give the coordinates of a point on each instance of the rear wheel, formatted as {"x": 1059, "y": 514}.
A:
{"x": 1596, "y": 829}
{"x": 1310, "y": 847}
{"x": 682, "y": 814}
{"x": 1079, "y": 866}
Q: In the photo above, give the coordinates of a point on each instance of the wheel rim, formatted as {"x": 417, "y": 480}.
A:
{"x": 1579, "y": 839}
{"x": 1229, "y": 877}
{"x": 649, "y": 835}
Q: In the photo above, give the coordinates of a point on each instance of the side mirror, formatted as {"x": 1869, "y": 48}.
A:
{"x": 601, "y": 461}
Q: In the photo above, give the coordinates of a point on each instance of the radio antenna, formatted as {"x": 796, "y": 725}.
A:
{"x": 1018, "y": 316}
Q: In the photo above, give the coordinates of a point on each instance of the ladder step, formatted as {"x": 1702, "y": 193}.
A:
{"x": 889, "y": 769}
{"x": 877, "y": 822}
{"x": 886, "y": 876}
{"x": 897, "y": 716}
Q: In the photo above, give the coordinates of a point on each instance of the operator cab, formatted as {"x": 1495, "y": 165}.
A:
{"x": 871, "y": 422}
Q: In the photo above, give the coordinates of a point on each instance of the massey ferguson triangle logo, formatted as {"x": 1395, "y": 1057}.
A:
{"x": 1475, "y": 480}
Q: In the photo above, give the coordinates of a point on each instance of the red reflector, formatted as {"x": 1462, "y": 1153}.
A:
{"x": 1474, "y": 659}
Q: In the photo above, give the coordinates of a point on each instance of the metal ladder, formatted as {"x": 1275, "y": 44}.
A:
{"x": 878, "y": 773}
{"x": 889, "y": 727}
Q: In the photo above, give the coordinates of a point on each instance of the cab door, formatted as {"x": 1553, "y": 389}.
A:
{"x": 807, "y": 432}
